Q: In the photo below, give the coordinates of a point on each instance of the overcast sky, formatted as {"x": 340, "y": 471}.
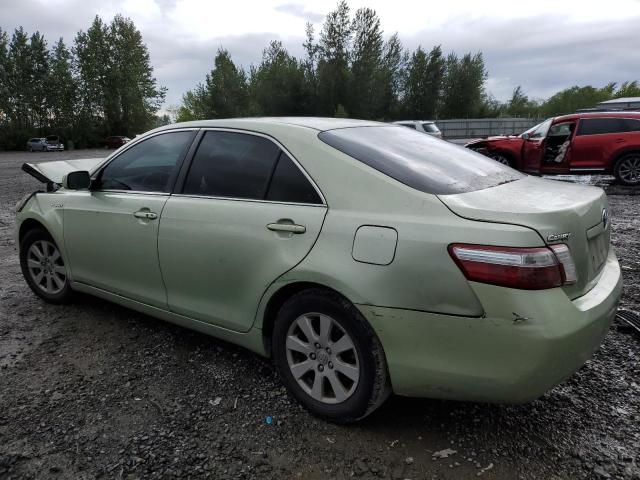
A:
{"x": 541, "y": 45}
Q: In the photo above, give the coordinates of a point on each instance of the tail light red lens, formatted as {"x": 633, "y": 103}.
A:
{"x": 534, "y": 268}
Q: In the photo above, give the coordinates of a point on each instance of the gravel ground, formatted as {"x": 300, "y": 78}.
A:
{"x": 95, "y": 390}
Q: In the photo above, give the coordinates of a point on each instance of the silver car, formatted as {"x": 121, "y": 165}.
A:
{"x": 425, "y": 126}
{"x": 45, "y": 144}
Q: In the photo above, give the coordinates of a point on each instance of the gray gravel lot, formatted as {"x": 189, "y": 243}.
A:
{"x": 93, "y": 390}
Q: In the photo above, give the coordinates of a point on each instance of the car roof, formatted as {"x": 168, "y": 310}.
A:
{"x": 576, "y": 116}
{"x": 316, "y": 123}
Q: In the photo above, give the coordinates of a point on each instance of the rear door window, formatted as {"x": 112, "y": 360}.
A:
{"x": 599, "y": 126}
{"x": 233, "y": 165}
{"x": 289, "y": 184}
{"x": 420, "y": 161}
{"x": 630, "y": 124}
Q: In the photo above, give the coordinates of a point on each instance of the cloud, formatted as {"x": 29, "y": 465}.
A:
{"x": 299, "y": 10}
{"x": 541, "y": 52}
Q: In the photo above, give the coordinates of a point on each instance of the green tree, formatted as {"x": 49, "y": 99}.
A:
{"x": 18, "y": 81}
{"x": 93, "y": 66}
{"x": 573, "y": 98}
{"x": 366, "y": 68}
{"x": 424, "y": 83}
{"x": 278, "y": 84}
{"x": 333, "y": 60}
{"x": 463, "y": 91}
{"x": 226, "y": 89}
{"x": 392, "y": 77}
{"x": 62, "y": 89}
{"x": 39, "y": 82}
{"x": 133, "y": 94}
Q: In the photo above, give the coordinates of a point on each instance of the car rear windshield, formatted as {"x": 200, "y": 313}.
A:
{"x": 420, "y": 161}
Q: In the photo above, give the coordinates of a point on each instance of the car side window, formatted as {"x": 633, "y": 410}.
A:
{"x": 289, "y": 184}
{"x": 149, "y": 166}
{"x": 408, "y": 125}
{"x": 630, "y": 125}
{"x": 598, "y": 126}
{"x": 234, "y": 165}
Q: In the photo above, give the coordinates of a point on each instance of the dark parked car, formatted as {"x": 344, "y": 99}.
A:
{"x": 581, "y": 143}
{"x": 115, "y": 141}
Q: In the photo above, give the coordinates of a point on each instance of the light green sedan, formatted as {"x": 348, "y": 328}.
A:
{"x": 364, "y": 258}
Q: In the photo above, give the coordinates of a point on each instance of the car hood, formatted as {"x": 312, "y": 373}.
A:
{"x": 53, "y": 172}
{"x": 494, "y": 138}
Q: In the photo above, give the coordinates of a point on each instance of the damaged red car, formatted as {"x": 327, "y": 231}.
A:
{"x": 581, "y": 143}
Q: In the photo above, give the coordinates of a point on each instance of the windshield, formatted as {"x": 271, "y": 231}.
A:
{"x": 420, "y": 161}
{"x": 540, "y": 130}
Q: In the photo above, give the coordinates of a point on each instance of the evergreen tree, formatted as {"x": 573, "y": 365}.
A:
{"x": 19, "y": 81}
{"x": 463, "y": 91}
{"x": 226, "y": 89}
{"x": 62, "y": 89}
{"x": 277, "y": 85}
{"x": 333, "y": 62}
{"x": 366, "y": 68}
{"x": 39, "y": 82}
{"x": 392, "y": 77}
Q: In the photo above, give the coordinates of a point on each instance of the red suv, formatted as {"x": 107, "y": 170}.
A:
{"x": 582, "y": 143}
{"x": 116, "y": 141}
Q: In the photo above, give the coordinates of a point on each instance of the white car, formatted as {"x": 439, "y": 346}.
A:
{"x": 425, "y": 126}
{"x": 49, "y": 144}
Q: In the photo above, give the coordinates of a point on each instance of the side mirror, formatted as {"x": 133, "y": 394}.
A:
{"x": 79, "y": 180}
{"x": 525, "y": 136}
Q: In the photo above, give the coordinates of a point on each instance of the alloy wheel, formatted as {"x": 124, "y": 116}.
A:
{"x": 46, "y": 267}
{"x": 629, "y": 169}
{"x": 322, "y": 358}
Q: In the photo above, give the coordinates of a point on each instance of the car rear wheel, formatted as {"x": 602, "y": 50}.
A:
{"x": 328, "y": 357}
{"x": 627, "y": 169}
{"x": 43, "y": 267}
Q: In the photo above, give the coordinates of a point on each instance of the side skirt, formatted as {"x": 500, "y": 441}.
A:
{"x": 251, "y": 340}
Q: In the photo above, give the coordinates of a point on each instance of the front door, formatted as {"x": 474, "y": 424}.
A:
{"x": 246, "y": 215}
{"x": 533, "y": 147}
{"x": 111, "y": 231}
{"x": 558, "y": 149}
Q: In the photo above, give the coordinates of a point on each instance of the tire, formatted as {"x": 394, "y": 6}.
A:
{"x": 627, "y": 169}
{"x": 358, "y": 370}
{"x": 502, "y": 158}
{"x": 50, "y": 279}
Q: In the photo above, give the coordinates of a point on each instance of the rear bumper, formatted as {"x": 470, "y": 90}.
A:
{"x": 493, "y": 358}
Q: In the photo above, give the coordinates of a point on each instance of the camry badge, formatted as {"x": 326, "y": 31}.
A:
{"x": 558, "y": 237}
{"x": 605, "y": 218}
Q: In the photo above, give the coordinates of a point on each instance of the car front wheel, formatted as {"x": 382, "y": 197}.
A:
{"x": 329, "y": 357}
{"x": 627, "y": 169}
{"x": 43, "y": 267}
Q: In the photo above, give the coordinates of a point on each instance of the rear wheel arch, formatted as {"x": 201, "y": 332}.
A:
{"x": 279, "y": 298}
{"x": 618, "y": 159}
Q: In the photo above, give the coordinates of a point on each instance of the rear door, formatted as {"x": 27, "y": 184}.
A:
{"x": 245, "y": 214}
{"x": 595, "y": 142}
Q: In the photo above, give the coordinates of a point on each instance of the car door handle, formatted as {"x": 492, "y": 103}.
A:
{"x": 146, "y": 214}
{"x": 287, "y": 227}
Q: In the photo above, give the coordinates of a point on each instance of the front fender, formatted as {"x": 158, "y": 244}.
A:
{"x": 46, "y": 209}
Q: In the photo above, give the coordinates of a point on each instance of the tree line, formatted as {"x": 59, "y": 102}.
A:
{"x": 103, "y": 85}
{"x": 351, "y": 70}
{"x": 348, "y": 70}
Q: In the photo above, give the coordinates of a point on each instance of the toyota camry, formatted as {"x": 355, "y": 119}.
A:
{"x": 363, "y": 258}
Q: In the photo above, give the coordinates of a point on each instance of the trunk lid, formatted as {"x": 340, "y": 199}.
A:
{"x": 53, "y": 172}
{"x": 552, "y": 208}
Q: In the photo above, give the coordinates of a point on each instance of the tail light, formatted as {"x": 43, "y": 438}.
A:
{"x": 534, "y": 268}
